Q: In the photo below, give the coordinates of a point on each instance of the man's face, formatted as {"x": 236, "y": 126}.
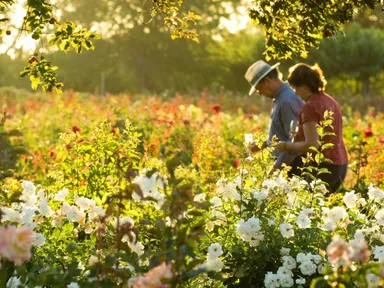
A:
{"x": 264, "y": 88}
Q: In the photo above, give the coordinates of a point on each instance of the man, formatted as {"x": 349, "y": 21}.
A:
{"x": 265, "y": 80}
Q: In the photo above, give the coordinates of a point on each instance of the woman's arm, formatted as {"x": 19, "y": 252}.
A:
{"x": 311, "y": 139}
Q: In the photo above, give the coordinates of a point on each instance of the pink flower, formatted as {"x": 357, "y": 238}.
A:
{"x": 155, "y": 277}
{"x": 337, "y": 250}
{"x": 16, "y": 244}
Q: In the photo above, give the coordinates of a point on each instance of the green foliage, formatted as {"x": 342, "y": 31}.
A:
{"x": 41, "y": 73}
{"x": 39, "y": 15}
{"x": 293, "y": 27}
{"x": 10, "y": 150}
{"x": 68, "y": 35}
{"x": 100, "y": 165}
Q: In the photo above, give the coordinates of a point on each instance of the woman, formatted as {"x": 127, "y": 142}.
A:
{"x": 309, "y": 83}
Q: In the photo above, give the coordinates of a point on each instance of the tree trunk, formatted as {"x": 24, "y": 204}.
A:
{"x": 366, "y": 89}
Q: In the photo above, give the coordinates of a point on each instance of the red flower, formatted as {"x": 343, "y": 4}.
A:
{"x": 115, "y": 131}
{"x": 75, "y": 129}
{"x": 381, "y": 140}
{"x": 236, "y": 163}
{"x": 216, "y": 109}
{"x": 368, "y": 131}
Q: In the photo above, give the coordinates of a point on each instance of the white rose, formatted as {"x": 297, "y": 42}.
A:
{"x": 286, "y": 230}
{"x": 303, "y": 221}
{"x": 214, "y": 264}
{"x": 216, "y": 201}
{"x": 73, "y": 285}
{"x": 61, "y": 195}
{"x": 215, "y": 250}
{"x": 337, "y": 213}
{"x": 38, "y": 239}
{"x": 350, "y": 199}
{"x": 308, "y": 268}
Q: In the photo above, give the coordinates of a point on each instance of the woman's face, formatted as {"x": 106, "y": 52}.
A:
{"x": 302, "y": 91}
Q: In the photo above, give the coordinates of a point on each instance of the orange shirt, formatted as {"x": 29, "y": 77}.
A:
{"x": 313, "y": 110}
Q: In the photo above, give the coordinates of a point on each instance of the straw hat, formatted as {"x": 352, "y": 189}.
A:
{"x": 256, "y": 72}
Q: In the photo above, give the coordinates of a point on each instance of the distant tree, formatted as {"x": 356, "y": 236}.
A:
{"x": 359, "y": 54}
{"x": 291, "y": 27}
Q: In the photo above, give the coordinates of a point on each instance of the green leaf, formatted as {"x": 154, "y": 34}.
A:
{"x": 35, "y": 82}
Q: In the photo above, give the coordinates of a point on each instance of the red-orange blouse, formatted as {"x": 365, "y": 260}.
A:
{"x": 313, "y": 110}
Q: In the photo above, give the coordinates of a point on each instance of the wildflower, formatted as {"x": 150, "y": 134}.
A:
{"x": 216, "y": 109}
{"x": 308, "y": 268}
{"x": 75, "y": 129}
{"x": 154, "y": 277}
{"x": 216, "y": 201}
{"x": 372, "y": 280}
{"x": 10, "y": 214}
{"x": 73, "y": 285}
{"x": 337, "y": 213}
{"x": 16, "y": 244}
{"x": 199, "y": 197}
{"x": 236, "y": 163}
{"x": 38, "y": 239}
{"x": 303, "y": 221}
{"x": 215, "y": 250}
{"x": 350, "y": 199}
{"x": 286, "y": 230}
{"x": 60, "y": 196}
{"x": 368, "y": 131}
{"x": 214, "y": 264}
{"x": 338, "y": 250}
{"x": 378, "y": 253}
{"x": 13, "y": 282}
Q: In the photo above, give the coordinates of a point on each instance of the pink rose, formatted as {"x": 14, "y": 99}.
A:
{"x": 16, "y": 243}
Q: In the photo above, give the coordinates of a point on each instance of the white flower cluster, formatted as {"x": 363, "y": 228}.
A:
{"x": 375, "y": 193}
{"x": 228, "y": 190}
{"x": 260, "y": 196}
{"x": 278, "y": 184}
{"x": 308, "y": 264}
{"x": 378, "y": 253}
{"x": 134, "y": 245}
{"x": 250, "y": 231}
{"x": 149, "y": 187}
{"x": 213, "y": 261}
{"x": 35, "y": 209}
{"x": 303, "y": 220}
{"x": 332, "y": 217}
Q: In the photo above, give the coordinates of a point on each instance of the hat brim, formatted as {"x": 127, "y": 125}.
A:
{"x": 253, "y": 88}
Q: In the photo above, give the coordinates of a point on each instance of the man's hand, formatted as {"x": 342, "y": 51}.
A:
{"x": 253, "y": 147}
{"x": 281, "y": 146}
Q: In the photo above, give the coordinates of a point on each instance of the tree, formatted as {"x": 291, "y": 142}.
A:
{"x": 291, "y": 27}
{"x": 359, "y": 54}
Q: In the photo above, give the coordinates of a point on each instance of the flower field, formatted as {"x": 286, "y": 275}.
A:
{"x": 127, "y": 191}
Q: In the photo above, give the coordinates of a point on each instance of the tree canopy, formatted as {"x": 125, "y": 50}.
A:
{"x": 291, "y": 27}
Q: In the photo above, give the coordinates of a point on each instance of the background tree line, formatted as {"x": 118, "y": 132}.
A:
{"x": 137, "y": 55}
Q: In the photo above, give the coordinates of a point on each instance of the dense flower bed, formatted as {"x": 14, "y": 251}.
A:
{"x": 173, "y": 198}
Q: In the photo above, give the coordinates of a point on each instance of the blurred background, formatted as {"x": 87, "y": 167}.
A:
{"x": 137, "y": 55}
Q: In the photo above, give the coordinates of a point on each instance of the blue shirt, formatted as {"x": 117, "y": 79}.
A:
{"x": 286, "y": 107}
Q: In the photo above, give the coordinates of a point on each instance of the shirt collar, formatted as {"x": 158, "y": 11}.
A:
{"x": 278, "y": 92}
